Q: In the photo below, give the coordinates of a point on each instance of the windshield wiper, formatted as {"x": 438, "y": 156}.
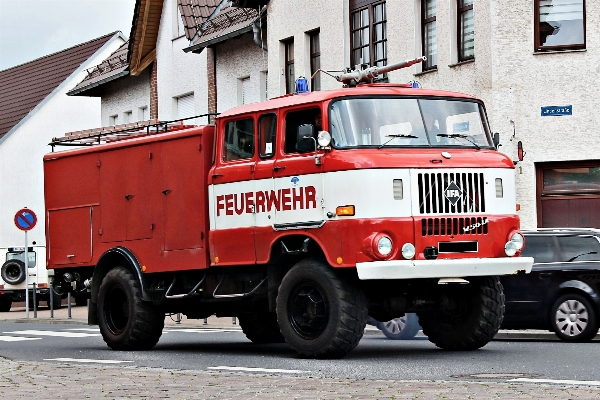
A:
{"x": 582, "y": 254}
{"x": 466, "y": 137}
{"x": 396, "y": 137}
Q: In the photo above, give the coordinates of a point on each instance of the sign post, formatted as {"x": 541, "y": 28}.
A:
{"x": 25, "y": 220}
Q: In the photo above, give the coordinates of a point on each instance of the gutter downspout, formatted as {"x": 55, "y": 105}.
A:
{"x": 256, "y": 28}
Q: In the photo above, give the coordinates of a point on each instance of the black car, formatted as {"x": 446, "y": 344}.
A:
{"x": 562, "y": 292}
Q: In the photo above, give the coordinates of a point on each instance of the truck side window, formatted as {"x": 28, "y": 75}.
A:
{"x": 294, "y": 119}
{"x": 267, "y": 134}
{"x": 239, "y": 140}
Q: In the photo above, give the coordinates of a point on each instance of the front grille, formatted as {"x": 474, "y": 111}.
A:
{"x": 432, "y": 199}
{"x": 454, "y": 226}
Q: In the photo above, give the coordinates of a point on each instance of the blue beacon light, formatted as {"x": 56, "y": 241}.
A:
{"x": 301, "y": 85}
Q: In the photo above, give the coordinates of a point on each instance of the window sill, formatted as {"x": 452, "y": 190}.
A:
{"x": 178, "y": 37}
{"x": 458, "y": 64}
{"x": 429, "y": 71}
{"x": 539, "y": 53}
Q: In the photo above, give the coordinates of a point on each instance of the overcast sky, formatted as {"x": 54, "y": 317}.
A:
{"x": 30, "y": 29}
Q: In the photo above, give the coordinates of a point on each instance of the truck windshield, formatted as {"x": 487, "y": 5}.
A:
{"x": 405, "y": 122}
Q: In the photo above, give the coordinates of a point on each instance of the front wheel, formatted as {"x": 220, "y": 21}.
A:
{"x": 573, "y": 318}
{"x": 126, "y": 322}
{"x": 321, "y": 314}
{"x": 468, "y": 316}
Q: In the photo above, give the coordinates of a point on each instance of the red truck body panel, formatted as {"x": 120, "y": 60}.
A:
{"x": 149, "y": 208}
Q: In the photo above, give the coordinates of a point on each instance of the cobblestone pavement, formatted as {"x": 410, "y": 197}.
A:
{"x": 35, "y": 380}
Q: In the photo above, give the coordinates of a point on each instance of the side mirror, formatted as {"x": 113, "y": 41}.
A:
{"x": 496, "y": 140}
{"x": 305, "y": 140}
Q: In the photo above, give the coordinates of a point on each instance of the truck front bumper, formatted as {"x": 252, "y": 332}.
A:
{"x": 445, "y": 268}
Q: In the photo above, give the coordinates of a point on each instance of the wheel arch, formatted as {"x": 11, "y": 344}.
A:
{"x": 112, "y": 258}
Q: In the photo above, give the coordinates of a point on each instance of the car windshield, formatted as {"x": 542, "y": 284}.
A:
{"x": 406, "y": 122}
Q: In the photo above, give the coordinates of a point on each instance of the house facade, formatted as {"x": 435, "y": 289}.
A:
{"x": 534, "y": 63}
{"x": 34, "y": 108}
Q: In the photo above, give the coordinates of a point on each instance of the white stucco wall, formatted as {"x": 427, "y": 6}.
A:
{"x": 21, "y": 152}
{"x": 293, "y": 18}
{"x": 128, "y": 93}
{"x": 179, "y": 73}
{"x": 236, "y": 59}
{"x": 513, "y": 81}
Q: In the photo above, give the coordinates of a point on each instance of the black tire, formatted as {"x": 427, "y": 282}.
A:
{"x": 320, "y": 314}
{"x": 57, "y": 300}
{"x": 573, "y": 318}
{"x": 261, "y": 327}
{"x": 126, "y": 322}
{"x": 13, "y": 272}
{"x": 469, "y": 317}
{"x": 403, "y": 328}
{"x": 5, "y": 303}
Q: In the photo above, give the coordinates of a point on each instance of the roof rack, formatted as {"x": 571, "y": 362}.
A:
{"x": 107, "y": 134}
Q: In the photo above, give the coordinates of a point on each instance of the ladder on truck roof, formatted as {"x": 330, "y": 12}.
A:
{"x": 107, "y": 134}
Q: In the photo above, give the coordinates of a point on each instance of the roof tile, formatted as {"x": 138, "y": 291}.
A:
{"x": 24, "y": 86}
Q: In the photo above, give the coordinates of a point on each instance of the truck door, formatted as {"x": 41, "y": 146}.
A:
{"x": 298, "y": 186}
{"x": 232, "y": 192}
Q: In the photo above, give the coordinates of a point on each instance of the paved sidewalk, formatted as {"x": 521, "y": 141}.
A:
{"x": 20, "y": 380}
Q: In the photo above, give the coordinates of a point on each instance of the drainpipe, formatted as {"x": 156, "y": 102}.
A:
{"x": 256, "y": 28}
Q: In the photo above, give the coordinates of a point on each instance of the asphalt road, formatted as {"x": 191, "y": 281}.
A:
{"x": 376, "y": 357}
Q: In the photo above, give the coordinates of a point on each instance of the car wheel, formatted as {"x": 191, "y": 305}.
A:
{"x": 13, "y": 272}
{"x": 573, "y": 318}
{"x": 5, "y": 303}
{"x": 402, "y": 328}
{"x": 126, "y": 322}
{"x": 321, "y": 314}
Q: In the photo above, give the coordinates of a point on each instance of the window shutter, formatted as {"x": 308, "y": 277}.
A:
{"x": 185, "y": 106}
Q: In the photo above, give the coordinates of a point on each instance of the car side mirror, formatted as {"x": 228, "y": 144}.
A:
{"x": 496, "y": 140}
{"x": 305, "y": 140}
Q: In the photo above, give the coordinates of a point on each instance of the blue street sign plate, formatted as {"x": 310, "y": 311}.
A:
{"x": 556, "y": 111}
{"x": 25, "y": 219}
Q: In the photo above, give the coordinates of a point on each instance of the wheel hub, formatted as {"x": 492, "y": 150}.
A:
{"x": 571, "y": 318}
{"x": 309, "y": 310}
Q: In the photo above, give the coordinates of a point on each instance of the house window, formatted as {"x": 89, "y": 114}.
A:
{"x": 143, "y": 114}
{"x": 290, "y": 84}
{"x": 264, "y": 85}
{"x": 559, "y": 25}
{"x": 368, "y": 33}
{"x": 244, "y": 91}
{"x": 113, "y": 120}
{"x": 315, "y": 60}
{"x": 429, "y": 33}
{"x": 185, "y": 106}
{"x": 466, "y": 30}
{"x": 127, "y": 117}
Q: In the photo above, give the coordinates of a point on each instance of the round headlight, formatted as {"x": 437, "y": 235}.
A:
{"x": 518, "y": 240}
{"x": 324, "y": 138}
{"x": 408, "y": 251}
{"x": 384, "y": 245}
{"x": 510, "y": 248}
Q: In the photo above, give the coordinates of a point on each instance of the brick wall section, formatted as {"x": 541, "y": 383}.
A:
{"x": 153, "y": 91}
{"x": 212, "y": 81}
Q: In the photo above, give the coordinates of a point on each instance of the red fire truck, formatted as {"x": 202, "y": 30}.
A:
{"x": 300, "y": 215}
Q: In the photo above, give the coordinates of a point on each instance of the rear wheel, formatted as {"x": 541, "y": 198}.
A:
{"x": 468, "y": 317}
{"x": 573, "y": 318}
{"x": 320, "y": 313}
{"x": 5, "y": 303}
{"x": 126, "y": 322}
{"x": 261, "y": 327}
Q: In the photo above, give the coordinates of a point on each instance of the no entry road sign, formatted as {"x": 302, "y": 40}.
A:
{"x": 25, "y": 219}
